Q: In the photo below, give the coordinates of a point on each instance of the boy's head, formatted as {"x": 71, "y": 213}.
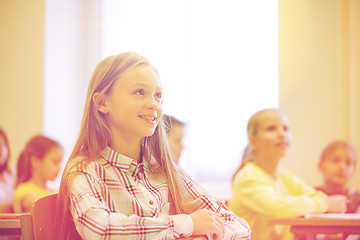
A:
{"x": 175, "y": 133}
{"x": 337, "y": 162}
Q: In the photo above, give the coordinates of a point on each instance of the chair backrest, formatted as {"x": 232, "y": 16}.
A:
{"x": 43, "y": 216}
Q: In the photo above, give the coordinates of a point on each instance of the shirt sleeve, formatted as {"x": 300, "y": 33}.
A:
{"x": 235, "y": 227}
{"x": 94, "y": 220}
{"x": 257, "y": 193}
{"x": 20, "y": 193}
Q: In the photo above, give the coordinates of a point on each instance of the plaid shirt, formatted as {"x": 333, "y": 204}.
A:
{"x": 117, "y": 198}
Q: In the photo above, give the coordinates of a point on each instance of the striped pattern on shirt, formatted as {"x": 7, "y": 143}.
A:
{"x": 117, "y": 198}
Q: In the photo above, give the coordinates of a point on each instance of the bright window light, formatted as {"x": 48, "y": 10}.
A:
{"x": 219, "y": 64}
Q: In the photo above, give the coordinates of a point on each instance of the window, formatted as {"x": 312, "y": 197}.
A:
{"x": 218, "y": 60}
{"x": 219, "y": 63}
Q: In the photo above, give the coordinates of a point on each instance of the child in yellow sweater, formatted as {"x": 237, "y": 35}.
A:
{"x": 261, "y": 191}
{"x": 39, "y": 163}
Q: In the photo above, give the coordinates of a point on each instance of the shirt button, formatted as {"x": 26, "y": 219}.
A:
{"x": 151, "y": 202}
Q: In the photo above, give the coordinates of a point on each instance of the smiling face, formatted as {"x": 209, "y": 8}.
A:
{"x": 271, "y": 138}
{"x": 338, "y": 166}
{"x": 134, "y": 105}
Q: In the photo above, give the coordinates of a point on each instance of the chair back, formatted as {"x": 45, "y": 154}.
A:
{"x": 43, "y": 217}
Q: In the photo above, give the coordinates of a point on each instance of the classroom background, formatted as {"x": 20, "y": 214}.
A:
{"x": 308, "y": 52}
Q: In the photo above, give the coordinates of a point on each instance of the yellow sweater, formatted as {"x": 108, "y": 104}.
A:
{"x": 24, "y": 189}
{"x": 258, "y": 197}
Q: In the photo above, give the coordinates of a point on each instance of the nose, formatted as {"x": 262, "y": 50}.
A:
{"x": 281, "y": 132}
{"x": 343, "y": 165}
{"x": 153, "y": 103}
{"x": 58, "y": 168}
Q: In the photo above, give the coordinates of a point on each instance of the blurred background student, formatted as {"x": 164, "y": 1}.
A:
{"x": 175, "y": 133}
{"x": 39, "y": 163}
{"x": 337, "y": 164}
{"x": 7, "y": 176}
{"x": 261, "y": 191}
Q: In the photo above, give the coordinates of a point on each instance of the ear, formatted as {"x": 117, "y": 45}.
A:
{"x": 252, "y": 142}
{"x": 99, "y": 100}
{"x": 320, "y": 165}
{"x": 35, "y": 162}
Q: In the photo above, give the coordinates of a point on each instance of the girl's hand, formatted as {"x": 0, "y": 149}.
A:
{"x": 358, "y": 210}
{"x": 336, "y": 203}
{"x": 207, "y": 222}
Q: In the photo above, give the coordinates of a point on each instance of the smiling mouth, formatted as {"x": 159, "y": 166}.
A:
{"x": 147, "y": 118}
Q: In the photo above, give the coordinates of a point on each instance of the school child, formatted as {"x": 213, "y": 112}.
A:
{"x": 39, "y": 162}
{"x": 261, "y": 190}
{"x": 121, "y": 181}
{"x": 175, "y": 133}
{"x": 7, "y": 176}
{"x": 337, "y": 165}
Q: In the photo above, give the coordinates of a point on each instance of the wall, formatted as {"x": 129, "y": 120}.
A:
{"x": 319, "y": 73}
{"x": 48, "y": 52}
{"x": 72, "y": 50}
{"x": 21, "y": 70}
{"x": 319, "y": 78}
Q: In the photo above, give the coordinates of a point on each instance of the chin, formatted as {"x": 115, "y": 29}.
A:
{"x": 149, "y": 133}
{"x": 339, "y": 181}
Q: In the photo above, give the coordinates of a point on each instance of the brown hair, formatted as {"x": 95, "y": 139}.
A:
{"x": 95, "y": 136}
{"x": 170, "y": 121}
{"x": 38, "y": 147}
{"x": 334, "y": 145}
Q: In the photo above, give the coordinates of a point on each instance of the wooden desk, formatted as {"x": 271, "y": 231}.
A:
{"x": 310, "y": 225}
{"x": 12, "y": 224}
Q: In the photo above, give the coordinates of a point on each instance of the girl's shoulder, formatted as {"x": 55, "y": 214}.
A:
{"x": 251, "y": 174}
{"x": 30, "y": 187}
{"x": 95, "y": 169}
{"x": 83, "y": 164}
{"x": 252, "y": 170}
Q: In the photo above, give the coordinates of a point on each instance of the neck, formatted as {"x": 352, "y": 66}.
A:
{"x": 129, "y": 148}
{"x": 333, "y": 188}
{"x": 266, "y": 163}
{"x": 38, "y": 181}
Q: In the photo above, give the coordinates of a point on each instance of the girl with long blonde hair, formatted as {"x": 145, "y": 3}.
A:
{"x": 120, "y": 181}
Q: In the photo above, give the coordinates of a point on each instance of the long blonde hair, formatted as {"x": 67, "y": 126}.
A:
{"x": 95, "y": 136}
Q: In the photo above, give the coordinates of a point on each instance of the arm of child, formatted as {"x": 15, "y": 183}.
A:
{"x": 256, "y": 192}
{"x": 233, "y": 226}
{"x": 94, "y": 220}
